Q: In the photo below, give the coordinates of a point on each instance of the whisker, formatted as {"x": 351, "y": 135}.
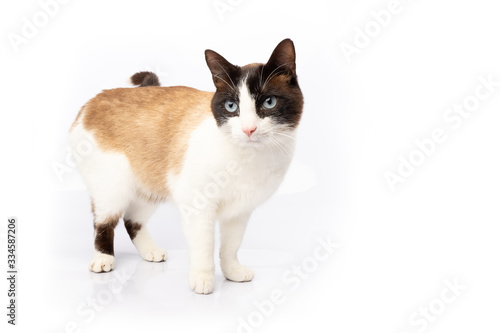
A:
{"x": 261, "y": 72}
{"x": 272, "y": 153}
{"x": 284, "y": 150}
{"x": 286, "y": 144}
{"x": 217, "y": 76}
{"x": 269, "y": 77}
{"x": 278, "y": 150}
{"x": 226, "y": 74}
{"x": 286, "y": 135}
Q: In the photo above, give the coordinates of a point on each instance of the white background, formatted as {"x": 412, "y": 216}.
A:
{"x": 397, "y": 248}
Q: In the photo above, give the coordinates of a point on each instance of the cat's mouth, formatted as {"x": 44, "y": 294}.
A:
{"x": 251, "y": 141}
{"x": 254, "y": 140}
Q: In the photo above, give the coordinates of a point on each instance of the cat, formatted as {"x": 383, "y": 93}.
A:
{"x": 215, "y": 155}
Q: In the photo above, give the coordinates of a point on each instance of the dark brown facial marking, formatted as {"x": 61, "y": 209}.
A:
{"x": 276, "y": 78}
{"x": 104, "y": 235}
{"x": 132, "y": 228}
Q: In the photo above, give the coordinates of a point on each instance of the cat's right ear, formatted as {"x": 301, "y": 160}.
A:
{"x": 222, "y": 70}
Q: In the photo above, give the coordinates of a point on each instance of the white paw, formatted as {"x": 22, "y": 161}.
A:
{"x": 102, "y": 263}
{"x": 238, "y": 273}
{"x": 155, "y": 254}
{"x": 202, "y": 282}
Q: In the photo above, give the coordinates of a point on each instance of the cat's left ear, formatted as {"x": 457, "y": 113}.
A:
{"x": 222, "y": 70}
{"x": 283, "y": 56}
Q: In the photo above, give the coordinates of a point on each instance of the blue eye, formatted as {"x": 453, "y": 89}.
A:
{"x": 269, "y": 103}
{"x": 231, "y": 106}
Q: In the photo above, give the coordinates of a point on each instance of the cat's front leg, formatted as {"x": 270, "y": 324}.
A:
{"x": 232, "y": 231}
{"x": 199, "y": 229}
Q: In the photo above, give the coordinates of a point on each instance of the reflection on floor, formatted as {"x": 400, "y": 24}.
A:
{"x": 154, "y": 290}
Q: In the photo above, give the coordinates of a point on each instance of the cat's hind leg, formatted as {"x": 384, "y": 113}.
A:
{"x": 105, "y": 221}
{"x": 111, "y": 184}
{"x": 110, "y": 192}
{"x": 136, "y": 216}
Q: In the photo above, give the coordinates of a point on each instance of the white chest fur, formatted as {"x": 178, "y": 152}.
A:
{"x": 225, "y": 178}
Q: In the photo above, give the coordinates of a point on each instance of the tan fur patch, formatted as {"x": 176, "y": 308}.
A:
{"x": 151, "y": 126}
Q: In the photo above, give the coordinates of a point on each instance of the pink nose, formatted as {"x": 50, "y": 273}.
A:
{"x": 249, "y": 131}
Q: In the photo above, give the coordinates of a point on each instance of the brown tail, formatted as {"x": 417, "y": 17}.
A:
{"x": 145, "y": 79}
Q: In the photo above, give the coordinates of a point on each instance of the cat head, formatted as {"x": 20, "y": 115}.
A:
{"x": 257, "y": 102}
